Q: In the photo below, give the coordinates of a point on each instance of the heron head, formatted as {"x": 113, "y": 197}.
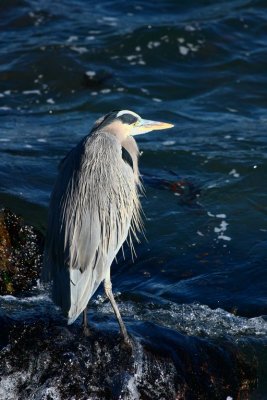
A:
{"x": 137, "y": 125}
{"x": 126, "y": 123}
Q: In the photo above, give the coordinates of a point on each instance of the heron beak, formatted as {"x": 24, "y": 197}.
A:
{"x": 146, "y": 125}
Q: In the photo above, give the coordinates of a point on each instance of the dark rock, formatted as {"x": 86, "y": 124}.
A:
{"x": 21, "y": 248}
{"x": 186, "y": 191}
{"x": 184, "y": 188}
{"x": 46, "y": 361}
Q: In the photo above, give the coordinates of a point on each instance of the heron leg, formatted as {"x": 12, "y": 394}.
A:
{"x": 108, "y": 291}
{"x": 86, "y": 329}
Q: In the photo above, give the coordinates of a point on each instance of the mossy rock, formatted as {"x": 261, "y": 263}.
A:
{"x": 21, "y": 248}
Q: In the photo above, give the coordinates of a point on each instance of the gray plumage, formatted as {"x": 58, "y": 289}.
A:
{"x": 93, "y": 208}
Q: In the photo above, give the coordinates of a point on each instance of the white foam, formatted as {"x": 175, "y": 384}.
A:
{"x": 111, "y": 21}
{"x": 168, "y": 142}
{"x": 224, "y": 237}
{"x": 30, "y": 92}
{"x": 132, "y": 385}
{"x": 193, "y": 319}
{"x": 10, "y": 384}
{"x": 105, "y": 91}
{"x": 192, "y": 47}
{"x": 210, "y": 214}
{"x": 94, "y": 31}
{"x": 234, "y": 173}
{"x": 190, "y": 28}
{"x": 132, "y": 57}
{"x": 5, "y": 108}
{"x": 224, "y": 225}
{"x": 165, "y": 39}
{"x": 40, "y": 297}
{"x": 80, "y": 50}
{"x": 144, "y": 90}
{"x": 72, "y": 39}
{"x": 105, "y": 18}
{"x": 90, "y": 74}
{"x": 135, "y": 59}
{"x": 8, "y": 297}
{"x": 153, "y": 44}
{"x": 220, "y": 215}
{"x": 220, "y": 231}
{"x": 183, "y": 50}
{"x": 50, "y": 393}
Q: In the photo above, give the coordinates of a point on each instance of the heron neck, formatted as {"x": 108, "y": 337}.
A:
{"x": 130, "y": 145}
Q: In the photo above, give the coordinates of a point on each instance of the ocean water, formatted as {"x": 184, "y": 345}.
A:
{"x": 200, "y": 65}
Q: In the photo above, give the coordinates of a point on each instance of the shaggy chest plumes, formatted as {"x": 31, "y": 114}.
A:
{"x": 103, "y": 201}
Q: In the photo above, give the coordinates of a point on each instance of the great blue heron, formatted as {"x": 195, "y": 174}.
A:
{"x": 93, "y": 207}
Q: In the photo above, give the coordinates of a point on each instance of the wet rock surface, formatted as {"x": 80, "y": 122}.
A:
{"x": 41, "y": 358}
{"x": 45, "y": 360}
{"x": 20, "y": 254}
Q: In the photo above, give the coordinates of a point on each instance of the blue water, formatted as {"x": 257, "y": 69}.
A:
{"x": 198, "y": 64}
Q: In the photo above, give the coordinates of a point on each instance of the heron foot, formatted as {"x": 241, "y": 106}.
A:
{"x": 86, "y": 331}
{"x": 127, "y": 344}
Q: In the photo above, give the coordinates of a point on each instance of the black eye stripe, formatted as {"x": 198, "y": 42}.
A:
{"x": 128, "y": 119}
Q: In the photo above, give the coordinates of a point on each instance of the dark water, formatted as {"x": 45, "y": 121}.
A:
{"x": 198, "y": 64}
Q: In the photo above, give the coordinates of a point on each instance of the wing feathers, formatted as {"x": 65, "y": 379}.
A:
{"x": 92, "y": 205}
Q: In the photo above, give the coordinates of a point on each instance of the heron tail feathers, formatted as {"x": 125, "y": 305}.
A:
{"x": 83, "y": 285}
